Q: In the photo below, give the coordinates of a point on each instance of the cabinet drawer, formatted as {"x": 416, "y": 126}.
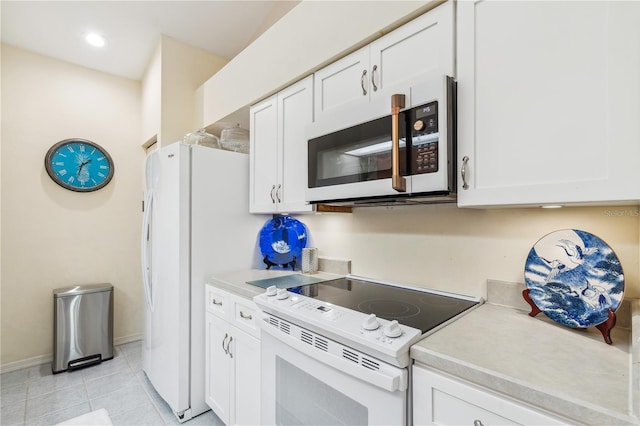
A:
{"x": 218, "y": 301}
{"x": 245, "y": 316}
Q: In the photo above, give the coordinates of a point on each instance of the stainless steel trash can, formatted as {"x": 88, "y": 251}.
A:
{"x": 83, "y": 326}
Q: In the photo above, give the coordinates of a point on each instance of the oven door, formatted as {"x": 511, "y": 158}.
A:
{"x": 310, "y": 380}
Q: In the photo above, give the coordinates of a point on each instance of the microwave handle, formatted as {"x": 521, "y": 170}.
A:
{"x": 398, "y": 182}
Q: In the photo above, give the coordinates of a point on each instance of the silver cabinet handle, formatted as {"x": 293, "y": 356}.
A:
{"x": 243, "y": 315}
{"x": 229, "y": 346}
{"x": 278, "y": 193}
{"x": 226, "y": 336}
{"x": 477, "y": 423}
{"x": 463, "y": 172}
{"x": 364, "y": 74}
{"x": 215, "y": 302}
{"x": 273, "y": 199}
{"x": 373, "y": 73}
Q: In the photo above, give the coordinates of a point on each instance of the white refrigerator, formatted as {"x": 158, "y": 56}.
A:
{"x": 196, "y": 223}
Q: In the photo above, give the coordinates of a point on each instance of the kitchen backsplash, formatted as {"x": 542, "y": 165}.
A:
{"x": 444, "y": 247}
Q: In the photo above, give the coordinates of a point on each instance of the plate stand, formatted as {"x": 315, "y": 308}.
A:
{"x": 269, "y": 263}
{"x": 604, "y": 327}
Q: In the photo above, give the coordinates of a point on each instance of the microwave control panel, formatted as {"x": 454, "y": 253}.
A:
{"x": 424, "y": 138}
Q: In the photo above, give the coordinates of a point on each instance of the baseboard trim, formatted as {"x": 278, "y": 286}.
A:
{"x": 126, "y": 339}
{"x": 44, "y": 359}
{"x": 25, "y": 363}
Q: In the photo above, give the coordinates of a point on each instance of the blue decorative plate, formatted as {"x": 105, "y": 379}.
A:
{"x": 574, "y": 278}
{"x": 281, "y": 242}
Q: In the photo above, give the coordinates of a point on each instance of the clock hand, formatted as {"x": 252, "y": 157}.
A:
{"x": 84, "y": 163}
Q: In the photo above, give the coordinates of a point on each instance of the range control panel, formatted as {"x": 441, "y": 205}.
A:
{"x": 424, "y": 138}
{"x": 386, "y": 339}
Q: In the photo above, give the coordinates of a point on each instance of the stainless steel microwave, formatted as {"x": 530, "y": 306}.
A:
{"x": 407, "y": 156}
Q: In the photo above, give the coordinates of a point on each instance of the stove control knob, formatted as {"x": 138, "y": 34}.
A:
{"x": 371, "y": 323}
{"x": 392, "y": 329}
{"x": 282, "y": 294}
{"x": 271, "y": 291}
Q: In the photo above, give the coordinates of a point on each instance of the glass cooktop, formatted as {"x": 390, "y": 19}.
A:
{"x": 419, "y": 309}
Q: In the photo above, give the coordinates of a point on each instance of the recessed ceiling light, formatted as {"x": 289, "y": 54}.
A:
{"x": 95, "y": 39}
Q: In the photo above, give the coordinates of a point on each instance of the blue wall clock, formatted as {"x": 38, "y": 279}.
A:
{"x": 79, "y": 165}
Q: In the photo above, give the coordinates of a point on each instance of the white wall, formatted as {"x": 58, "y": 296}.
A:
{"x": 52, "y": 237}
{"x": 170, "y": 108}
{"x": 151, "y": 97}
{"x": 184, "y": 69}
{"x": 444, "y": 247}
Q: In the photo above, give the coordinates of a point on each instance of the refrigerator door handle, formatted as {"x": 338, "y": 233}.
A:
{"x": 146, "y": 243}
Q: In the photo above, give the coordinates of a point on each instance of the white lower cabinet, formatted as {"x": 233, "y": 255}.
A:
{"x": 440, "y": 399}
{"x": 232, "y": 358}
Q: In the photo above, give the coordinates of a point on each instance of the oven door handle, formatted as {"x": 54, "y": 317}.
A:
{"x": 387, "y": 377}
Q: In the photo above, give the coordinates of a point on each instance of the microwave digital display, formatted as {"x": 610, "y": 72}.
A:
{"x": 427, "y": 110}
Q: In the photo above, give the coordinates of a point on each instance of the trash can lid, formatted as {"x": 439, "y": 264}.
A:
{"x": 81, "y": 289}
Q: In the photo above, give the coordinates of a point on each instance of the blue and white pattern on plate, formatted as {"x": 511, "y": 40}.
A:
{"x": 574, "y": 278}
{"x": 282, "y": 240}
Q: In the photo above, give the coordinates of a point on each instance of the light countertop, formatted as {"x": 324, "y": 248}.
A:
{"x": 572, "y": 373}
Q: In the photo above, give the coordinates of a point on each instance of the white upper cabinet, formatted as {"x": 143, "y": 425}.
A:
{"x": 278, "y": 163}
{"x": 342, "y": 82}
{"x": 263, "y": 136}
{"x": 548, "y": 102}
{"x": 419, "y": 50}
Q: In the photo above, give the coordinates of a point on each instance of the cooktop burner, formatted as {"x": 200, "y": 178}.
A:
{"x": 421, "y": 309}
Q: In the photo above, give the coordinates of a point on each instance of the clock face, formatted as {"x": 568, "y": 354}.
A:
{"x": 79, "y": 165}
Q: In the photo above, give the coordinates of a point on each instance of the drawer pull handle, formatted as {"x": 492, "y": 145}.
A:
{"x": 477, "y": 423}
{"x": 215, "y": 302}
{"x": 245, "y": 316}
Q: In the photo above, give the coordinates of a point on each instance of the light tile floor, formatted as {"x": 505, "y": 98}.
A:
{"x": 35, "y": 396}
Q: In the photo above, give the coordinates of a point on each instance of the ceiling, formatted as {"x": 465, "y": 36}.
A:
{"x": 132, "y": 29}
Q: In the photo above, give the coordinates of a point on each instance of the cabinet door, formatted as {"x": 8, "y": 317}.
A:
{"x": 422, "y": 49}
{"x": 342, "y": 82}
{"x": 442, "y": 400}
{"x": 246, "y": 390}
{"x": 217, "y": 367}
{"x": 295, "y": 112}
{"x": 264, "y": 156}
{"x": 548, "y": 102}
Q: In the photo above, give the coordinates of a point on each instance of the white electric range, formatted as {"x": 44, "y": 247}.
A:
{"x": 337, "y": 352}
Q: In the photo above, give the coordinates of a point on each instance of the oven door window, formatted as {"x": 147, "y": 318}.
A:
{"x": 298, "y": 389}
{"x": 319, "y": 404}
{"x": 357, "y": 154}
